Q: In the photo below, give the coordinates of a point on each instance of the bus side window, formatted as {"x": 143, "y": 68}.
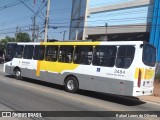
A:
{"x": 51, "y": 53}
{"x": 104, "y": 56}
{"x": 10, "y": 51}
{"x": 39, "y": 52}
{"x": 83, "y": 55}
{"x": 28, "y": 52}
{"x": 125, "y": 56}
{"x": 19, "y": 51}
{"x": 65, "y": 54}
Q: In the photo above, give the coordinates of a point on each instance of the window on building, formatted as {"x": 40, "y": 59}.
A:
{"x": 104, "y": 56}
{"x": 125, "y": 56}
{"x": 51, "y": 53}
{"x": 65, "y": 54}
{"x": 39, "y": 52}
{"x": 19, "y": 51}
{"x": 83, "y": 55}
{"x": 28, "y": 52}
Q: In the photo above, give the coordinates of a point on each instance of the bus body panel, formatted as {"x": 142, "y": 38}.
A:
{"x": 120, "y": 81}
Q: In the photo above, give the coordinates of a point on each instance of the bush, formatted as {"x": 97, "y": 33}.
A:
{"x": 157, "y": 77}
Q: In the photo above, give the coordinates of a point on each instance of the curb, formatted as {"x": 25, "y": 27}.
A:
{"x": 150, "y": 101}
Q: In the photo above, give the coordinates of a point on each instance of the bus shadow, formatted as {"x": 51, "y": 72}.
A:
{"x": 43, "y": 83}
{"x": 124, "y": 100}
{"x": 47, "y": 84}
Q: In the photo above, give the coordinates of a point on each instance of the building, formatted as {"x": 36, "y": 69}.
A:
{"x": 116, "y": 20}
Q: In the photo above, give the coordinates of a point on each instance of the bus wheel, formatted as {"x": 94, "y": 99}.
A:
{"x": 71, "y": 84}
{"x": 17, "y": 74}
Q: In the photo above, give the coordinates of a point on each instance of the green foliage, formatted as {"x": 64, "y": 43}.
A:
{"x": 23, "y": 37}
{"x": 157, "y": 77}
{"x": 4, "y": 41}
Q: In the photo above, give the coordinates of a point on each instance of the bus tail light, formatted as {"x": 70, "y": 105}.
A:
{"x": 139, "y": 78}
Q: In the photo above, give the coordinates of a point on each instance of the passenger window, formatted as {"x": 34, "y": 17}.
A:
{"x": 125, "y": 56}
{"x": 65, "y": 54}
{"x": 149, "y": 55}
{"x": 39, "y": 52}
{"x": 83, "y": 55}
{"x": 51, "y": 53}
{"x": 19, "y": 51}
{"x": 10, "y": 51}
{"x": 28, "y": 52}
{"x": 104, "y": 56}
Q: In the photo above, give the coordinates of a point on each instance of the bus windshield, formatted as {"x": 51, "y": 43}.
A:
{"x": 149, "y": 55}
{"x": 10, "y": 51}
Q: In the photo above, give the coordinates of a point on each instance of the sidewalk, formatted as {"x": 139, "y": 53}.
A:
{"x": 155, "y": 99}
{"x": 1, "y": 67}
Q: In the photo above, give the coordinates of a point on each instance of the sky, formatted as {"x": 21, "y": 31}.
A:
{"x": 14, "y": 13}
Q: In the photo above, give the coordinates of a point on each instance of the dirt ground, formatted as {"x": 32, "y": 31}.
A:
{"x": 156, "y": 91}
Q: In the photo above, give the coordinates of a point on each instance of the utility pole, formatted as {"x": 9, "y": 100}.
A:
{"x": 16, "y": 33}
{"x": 37, "y": 35}
{"x": 106, "y": 25}
{"x": 64, "y": 33}
{"x": 34, "y": 28}
{"x": 46, "y": 22}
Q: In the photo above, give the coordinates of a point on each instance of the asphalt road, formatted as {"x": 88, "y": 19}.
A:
{"x": 32, "y": 95}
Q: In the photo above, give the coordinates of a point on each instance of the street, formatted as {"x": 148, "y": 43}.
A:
{"x": 32, "y": 95}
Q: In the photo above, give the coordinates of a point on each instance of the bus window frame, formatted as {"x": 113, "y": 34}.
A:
{"x": 32, "y": 52}
{"x": 66, "y": 58}
{"x": 132, "y": 59}
{"x": 48, "y": 57}
{"x": 109, "y": 46}
{"x": 82, "y": 61}
{"x": 146, "y": 63}
{"x": 22, "y": 52}
{"x": 38, "y": 48}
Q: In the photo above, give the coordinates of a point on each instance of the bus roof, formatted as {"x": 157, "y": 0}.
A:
{"x": 81, "y": 43}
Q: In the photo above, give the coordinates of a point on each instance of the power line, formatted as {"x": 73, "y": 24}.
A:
{"x": 12, "y": 4}
{"x": 30, "y": 9}
{"x": 95, "y": 27}
{"x": 40, "y": 9}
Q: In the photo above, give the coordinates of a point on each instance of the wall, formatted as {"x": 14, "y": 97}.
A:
{"x": 155, "y": 32}
{"x": 77, "y": 19}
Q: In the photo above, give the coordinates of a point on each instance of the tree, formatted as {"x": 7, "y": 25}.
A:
{"x": 23, "y": 37}
{"x": 4, "y": 41}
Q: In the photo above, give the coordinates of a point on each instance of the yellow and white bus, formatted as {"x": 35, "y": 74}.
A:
{"x": 122, "y": 68}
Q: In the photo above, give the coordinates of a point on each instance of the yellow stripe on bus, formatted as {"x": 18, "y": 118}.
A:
{"x": 38, "y": 65}
{"x": 148, "y": 74}
{"x": 38, "y": 68}
{"x": 57, "y": 66}
{"x": 137, "y": 73}
{"x": 70, "y": 43}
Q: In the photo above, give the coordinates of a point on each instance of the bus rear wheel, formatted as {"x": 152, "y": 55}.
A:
{"x": 17, "y": 74}
{"x": 71, "y": 84}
